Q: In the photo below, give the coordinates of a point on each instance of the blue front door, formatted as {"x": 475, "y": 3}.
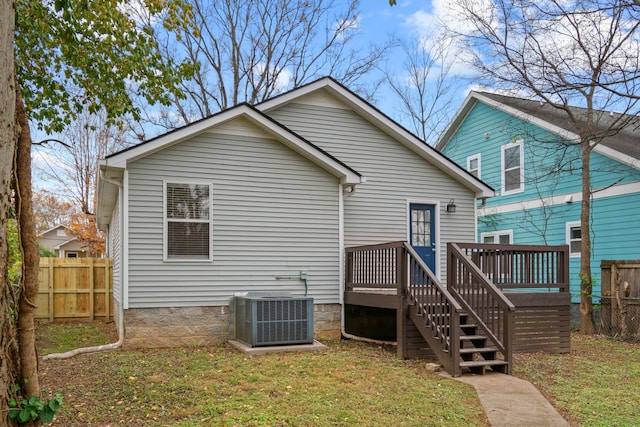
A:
{"x": 422, "y": 232}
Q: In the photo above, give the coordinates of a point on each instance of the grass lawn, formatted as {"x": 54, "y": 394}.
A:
{"x": 598, "y": 384}
{"x": 351, "y": 384}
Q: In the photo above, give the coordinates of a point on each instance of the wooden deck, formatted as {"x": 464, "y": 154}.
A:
{"x": 499, "y": 300}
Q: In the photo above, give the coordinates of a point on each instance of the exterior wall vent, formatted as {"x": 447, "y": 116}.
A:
{"x": 265, "y": 319}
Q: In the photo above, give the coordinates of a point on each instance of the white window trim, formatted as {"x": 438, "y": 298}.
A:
{"x": 569, "y": 226}
{"x": 165, "y": 243}
{"x": 519, "y": 143}
{"x": 497, "y": 234}
{"x": 477, "y": 157}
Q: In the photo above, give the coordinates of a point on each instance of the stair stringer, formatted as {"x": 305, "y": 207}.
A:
{"x": 447, "y": 350}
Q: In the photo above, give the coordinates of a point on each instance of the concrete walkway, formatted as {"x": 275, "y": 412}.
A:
{"x": 510, "y": 401}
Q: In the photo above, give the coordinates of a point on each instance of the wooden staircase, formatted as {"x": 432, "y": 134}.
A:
{"x": 477, "y": 353}
{"x": 467, "y": 324}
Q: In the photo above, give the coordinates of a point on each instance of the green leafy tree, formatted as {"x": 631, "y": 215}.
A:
{"x": 70, "y": 56}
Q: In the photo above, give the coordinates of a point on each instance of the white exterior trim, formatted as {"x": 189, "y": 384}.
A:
{"x": 503, "y": 191}
{"x": 124, "y": 254}
{"x": 385, "y": 124}
{"x": 474, "y": 97}
{"x": 286, "y": 137}
{"x": 341, "y": 242}
{"x": 478, "y": 157}
{"x": 616, "y": 155}
{"x": 568, "y": 226}
{"x": 436, "y": 207}
{"x": 616, "y": 190}
{"x": 497, "y": 235}
{"x": 165, "y": 229}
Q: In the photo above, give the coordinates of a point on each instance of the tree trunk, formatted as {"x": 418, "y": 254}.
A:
{"x": 9, "y": 360}
{"x": 30, "y": 255}
{"x": 587, "y": 324}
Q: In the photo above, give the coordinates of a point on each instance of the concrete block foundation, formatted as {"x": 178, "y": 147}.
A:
{"x": 203, "y": 326}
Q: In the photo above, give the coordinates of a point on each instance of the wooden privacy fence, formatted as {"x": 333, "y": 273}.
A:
{"x": 620, "y": 302}
{"x": 75, "y": 288}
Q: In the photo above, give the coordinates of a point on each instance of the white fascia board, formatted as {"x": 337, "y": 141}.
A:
{"x": 458, "y": 119}
{"x": 159, "y": 143}
{"x": 65, "y": 243}
{"x": 388, "y": 126}
{"x": 55, "y": 227}
{"x": 563, "y": 133}
{"x": 289, "y": 139}
{"x": 109, "y": 179}
{"x": 616, "y": 155}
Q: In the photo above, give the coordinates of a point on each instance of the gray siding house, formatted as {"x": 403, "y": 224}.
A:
{"x": 251, "y": 197}
{"x": 65, "y": 245}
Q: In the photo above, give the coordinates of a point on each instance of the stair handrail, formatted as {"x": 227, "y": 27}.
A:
{"x": 412, "y": 252}
{"x": 503, "y": 341}
{"x": 446, "y": 328}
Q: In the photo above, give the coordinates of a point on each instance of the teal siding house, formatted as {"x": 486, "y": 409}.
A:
{"x": 524, "y": 150}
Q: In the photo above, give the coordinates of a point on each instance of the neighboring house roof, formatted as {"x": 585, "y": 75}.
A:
{"x": 112, "y": 167}
{"x": 51, "y": 240}
{"x": 53, "y": 229}
{"x": 623, "y": 146}
{"x": 67, "y": 243}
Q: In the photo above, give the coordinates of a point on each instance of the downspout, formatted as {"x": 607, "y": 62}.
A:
{"x": 112, "y": 346}
{"x": 349, "y": 190}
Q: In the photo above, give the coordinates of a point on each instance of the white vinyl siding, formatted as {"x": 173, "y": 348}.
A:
{"x": 273, "y": 214}
{"x": 474, "y": 165}
{"x": 512, "y": 168}
{"x": 378, "y": 210}
{"x": 574, "y": 238}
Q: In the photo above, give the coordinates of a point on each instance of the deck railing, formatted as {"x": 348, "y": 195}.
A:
{"x": 486, "y": 281}
{"x": 482, "y": 300}
{"x": 521, "y": 267}
{"x": 395, "y": 265}
{"x": 534, "y": 278}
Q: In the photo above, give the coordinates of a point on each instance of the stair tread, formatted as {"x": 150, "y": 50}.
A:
{"x": 477, "y": 350}
{"x": 473, "y": 337}
{"x": 475, "y": 363}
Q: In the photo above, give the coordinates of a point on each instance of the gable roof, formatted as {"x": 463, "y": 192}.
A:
{"x": 55, "y": 227}
{"x": 112, "y": 167}
{"x": 624, "y": 146}
{"x": 289, "y": 138}
{"x": 387, "y": 125}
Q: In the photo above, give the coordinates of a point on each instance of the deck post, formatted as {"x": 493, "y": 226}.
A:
{"x": 401, "y": 311}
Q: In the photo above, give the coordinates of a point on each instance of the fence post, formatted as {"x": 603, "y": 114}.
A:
{"x": 92, "y": 288}
{"x": 51, "y": 275}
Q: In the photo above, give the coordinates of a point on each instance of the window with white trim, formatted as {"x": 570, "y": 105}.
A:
{"x": 187, "y": 212}
{"x": 473, "y": 165}
{"x": 503, "y": 237}
{"x": 574, "y": 238}
{"x": 513, "y": 167}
